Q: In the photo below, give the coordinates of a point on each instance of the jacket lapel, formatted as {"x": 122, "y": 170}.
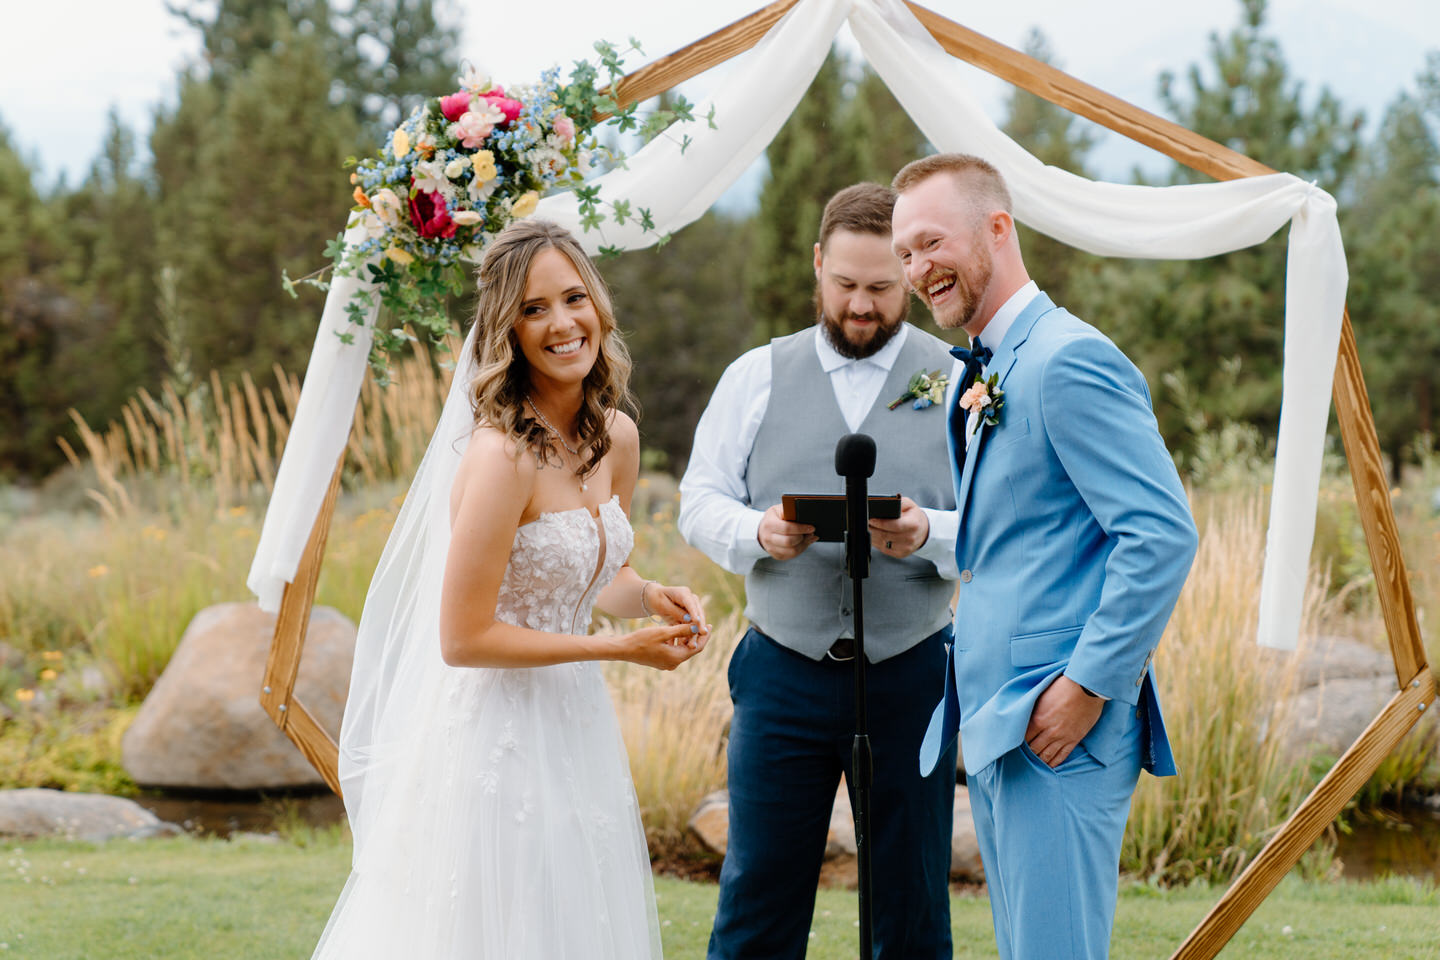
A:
{"x": 1002, "y": 363}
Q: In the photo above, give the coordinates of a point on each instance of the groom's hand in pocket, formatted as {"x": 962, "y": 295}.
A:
{"x": 781, "y": 538}
{"x": 1063, "y": 714}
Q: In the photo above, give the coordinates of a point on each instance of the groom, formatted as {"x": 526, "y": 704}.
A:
{"x": 1075, "y": 538}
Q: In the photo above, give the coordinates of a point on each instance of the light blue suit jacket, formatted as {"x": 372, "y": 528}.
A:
{"x": 1075, "y": 539}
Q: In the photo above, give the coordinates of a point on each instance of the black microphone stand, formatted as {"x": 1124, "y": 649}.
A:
{"x": 855, "y": 460}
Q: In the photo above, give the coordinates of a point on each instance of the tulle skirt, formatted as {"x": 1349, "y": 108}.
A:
{"x": 510, "y": 830}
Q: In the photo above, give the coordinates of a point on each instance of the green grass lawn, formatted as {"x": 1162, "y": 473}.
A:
{"x": 186, "y": 898}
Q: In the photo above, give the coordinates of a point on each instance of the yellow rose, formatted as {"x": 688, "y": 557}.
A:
{"x": 525, "y": 205}
{"x": 484, "y": 164}
{"x": 399, "y": 256}
{"x": 400, "y": 145}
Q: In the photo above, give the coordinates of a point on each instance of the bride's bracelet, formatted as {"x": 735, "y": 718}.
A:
{"x": 643, "y": 605}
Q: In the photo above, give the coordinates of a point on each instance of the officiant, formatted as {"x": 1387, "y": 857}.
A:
{"x": 769, "y": 429}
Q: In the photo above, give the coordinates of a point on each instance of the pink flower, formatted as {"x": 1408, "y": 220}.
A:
{"x": 564, "y": 128}
{"x": 475, "y": 125}
{"x": 430, "y": 215}
{"x": 510, "y": 108}
{"x": 455, "y": 105}
{"x": 976, "y": 398}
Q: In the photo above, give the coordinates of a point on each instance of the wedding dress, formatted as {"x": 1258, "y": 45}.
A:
{"x": 507, "y": 827}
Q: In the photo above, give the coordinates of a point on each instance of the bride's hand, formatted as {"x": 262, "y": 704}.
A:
{"x": 674, "y": 605}
{"x": 661, "y": 647}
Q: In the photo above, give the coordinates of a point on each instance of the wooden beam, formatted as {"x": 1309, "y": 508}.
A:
{"x": 1377, "y": 514}
{"x": 1314, "y": 814}
{"x": 317, "y": 745}
{"x": 282, "y": 665}
{"x": 1178, "y": 143}
{"x": 671, "y": 70}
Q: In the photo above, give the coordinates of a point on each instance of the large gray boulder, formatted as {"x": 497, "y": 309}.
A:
{"x": 1341, "y": 684}
{"x": 34, "y": 812}
{"x": 202, "y": 725}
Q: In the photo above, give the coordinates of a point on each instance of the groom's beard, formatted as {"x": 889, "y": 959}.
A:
{"x": 857, "y": 349}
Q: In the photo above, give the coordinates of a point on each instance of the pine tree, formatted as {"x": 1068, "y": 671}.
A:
{"x": 250, "y": 183}
{"x": 809, "y": 161}
{"x": 846, "y": 129}
{"x": 1198, "y": 317}
{"x": 684, "y": 319}
{"x": 1395, "y": 272}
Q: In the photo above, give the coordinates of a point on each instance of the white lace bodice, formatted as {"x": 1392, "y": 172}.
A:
{"x": 559, "y": 563}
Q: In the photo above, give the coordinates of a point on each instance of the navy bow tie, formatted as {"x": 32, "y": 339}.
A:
{"x": 978, "y": 354}
{"x": 976, "y": 357}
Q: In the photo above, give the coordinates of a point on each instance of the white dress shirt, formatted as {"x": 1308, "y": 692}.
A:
{"x": 716, "y": 515}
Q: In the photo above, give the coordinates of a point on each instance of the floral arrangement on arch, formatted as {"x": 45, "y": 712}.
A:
{"x": 456, "y": 171}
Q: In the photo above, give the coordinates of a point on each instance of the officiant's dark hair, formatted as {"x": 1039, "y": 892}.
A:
{"x": 862, "y": 208}
{"x": 981, "y": 181}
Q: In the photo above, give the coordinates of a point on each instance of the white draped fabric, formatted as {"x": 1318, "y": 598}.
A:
{"x": 1179, "y": 222}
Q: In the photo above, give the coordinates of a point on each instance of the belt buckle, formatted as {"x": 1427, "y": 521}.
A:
{"x": 846, "y": 646}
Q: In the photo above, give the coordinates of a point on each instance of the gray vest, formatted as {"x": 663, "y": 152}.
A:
{"x": 807, "y": 602}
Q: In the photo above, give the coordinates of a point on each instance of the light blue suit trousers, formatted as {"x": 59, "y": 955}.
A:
{"x": 1075, "y": 540}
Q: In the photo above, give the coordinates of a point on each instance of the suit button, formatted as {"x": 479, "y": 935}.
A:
{"x": 966, "y": 576}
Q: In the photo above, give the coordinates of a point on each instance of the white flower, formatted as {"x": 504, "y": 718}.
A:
{"x": 474, "y": 81}
{"x": 456, "y": 167}
{"x": 429, "y": 176}
{"x": 480, "y": 192}
{"x": 465, "y": 217}
{"x": 373, "y": 225}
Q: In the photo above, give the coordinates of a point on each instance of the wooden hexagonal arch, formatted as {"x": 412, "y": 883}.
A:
{"x": 1414, "y": 681}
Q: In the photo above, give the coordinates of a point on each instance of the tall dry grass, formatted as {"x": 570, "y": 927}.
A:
{"x": 676, "y": 726}
{"x": 1226, "y": 710}
{"x": 221, "y": 443}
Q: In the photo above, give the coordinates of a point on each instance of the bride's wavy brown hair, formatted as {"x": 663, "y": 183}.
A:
{"x": 502, "y": 380}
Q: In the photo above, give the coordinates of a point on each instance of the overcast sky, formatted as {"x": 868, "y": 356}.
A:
{"x": 64, "y": 63}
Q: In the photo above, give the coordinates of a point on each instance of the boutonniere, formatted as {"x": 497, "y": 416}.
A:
{"x": 986, "y": 398}
{"x": 925, "y": 389}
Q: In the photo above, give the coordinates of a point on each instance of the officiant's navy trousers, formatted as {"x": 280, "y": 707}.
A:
{"x": 790, "y": 739}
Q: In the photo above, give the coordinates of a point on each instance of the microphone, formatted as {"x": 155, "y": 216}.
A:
{"x": 855, "y": 461}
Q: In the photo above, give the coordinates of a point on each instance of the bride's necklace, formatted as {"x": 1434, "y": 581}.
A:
{"x": 559, "y": 438}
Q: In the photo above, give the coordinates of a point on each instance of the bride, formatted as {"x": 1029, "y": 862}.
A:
{"x": 481, "y": 761}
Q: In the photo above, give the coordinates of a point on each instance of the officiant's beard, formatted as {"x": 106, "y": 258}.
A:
{"x": 884, "y": 329}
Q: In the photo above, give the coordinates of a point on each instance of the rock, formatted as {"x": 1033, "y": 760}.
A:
{"x": 1341, "y": 684}
{"x": 1327, "y": 717}
{"x": 1339, "y": 658}
{"x": 711, "y": 824}
{"x": 840, "y": 838}
{"x": 202, "y": 726}
{"x": 34, "y": 812}
{"x": 965, "y": 865}
{"x": 711, "y": 821}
